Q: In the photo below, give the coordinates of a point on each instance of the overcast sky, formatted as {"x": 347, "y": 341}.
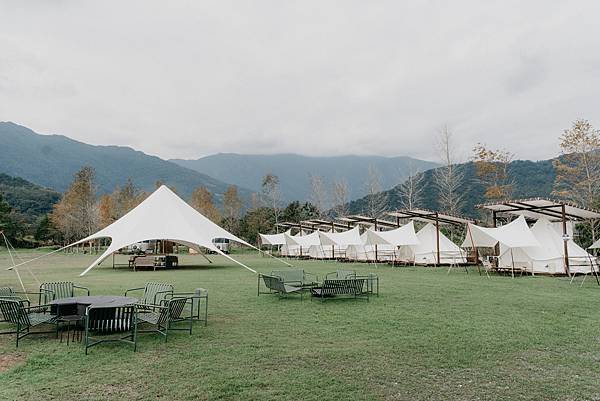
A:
{"x": 191, "y": 78}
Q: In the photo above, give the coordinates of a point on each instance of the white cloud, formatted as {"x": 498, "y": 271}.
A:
{"x": 187, "y": 78}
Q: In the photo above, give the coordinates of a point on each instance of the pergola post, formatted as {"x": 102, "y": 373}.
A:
{"x": 376, "y": 253}
{"x": 565, "y": 239}
{"x": 437, "y": 237}
{"x": 497, "y": 246}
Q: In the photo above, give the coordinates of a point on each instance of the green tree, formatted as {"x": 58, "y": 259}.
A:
{"x": 7, "y": 222}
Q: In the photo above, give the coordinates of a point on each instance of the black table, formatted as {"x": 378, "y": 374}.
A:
{"x": 78, "y": 305}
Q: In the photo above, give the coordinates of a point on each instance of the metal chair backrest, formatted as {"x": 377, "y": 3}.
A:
{"x": 14, "y": 312}
{"x": 7, "y": 292}
{"x": 174, "y": 309}
{"x": 110, "y": 319}
{"x": 288, "y": 275}
{"x": 273, "y": 283}
{"x": 155, "y": 293}
{"x": 344, "y": 274}
{"x": 56, "y": 290}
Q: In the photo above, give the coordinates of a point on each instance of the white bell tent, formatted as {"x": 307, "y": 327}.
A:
{"x": 299, "y": 245}
{"x": 335, "y": 244}
{"x": 398, "y": 239}
{"x": 426, "y": 252}
{"x": 274, "y": 239}
{"x": 548, "y": 257}
{"x": 165, "y": 216}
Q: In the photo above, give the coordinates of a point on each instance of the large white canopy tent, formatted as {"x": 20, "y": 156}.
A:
{"x": 426, "y": 252}
{"x": 163, "y": 215}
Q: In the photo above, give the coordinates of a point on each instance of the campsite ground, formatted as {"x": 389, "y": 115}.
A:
{"x": 428, "y": 336}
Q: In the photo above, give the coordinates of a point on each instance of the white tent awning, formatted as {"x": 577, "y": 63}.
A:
{"x": 401, "y": 236}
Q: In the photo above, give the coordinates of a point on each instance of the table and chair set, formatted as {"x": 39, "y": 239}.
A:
{"x": 154, "y": 308}
{"x": 336, "y": 284}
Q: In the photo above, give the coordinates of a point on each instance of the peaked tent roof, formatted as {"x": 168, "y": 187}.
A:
{"x": 303, "y": 240}
{"x": 515, "y": 234}
{"x": 163, "y": 215}
{"x": 274, "y": 239}
{"x": 595, "y": 245}
{"x": 404, "y": 235}
{"x": 346, "y": 238}
{"x": 552, "y": 243}
{"x": 428, "y": 238}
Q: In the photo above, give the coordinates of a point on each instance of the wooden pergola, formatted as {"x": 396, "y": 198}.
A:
{"x": 535, "y": 208}
{"x": 431, "y": 216}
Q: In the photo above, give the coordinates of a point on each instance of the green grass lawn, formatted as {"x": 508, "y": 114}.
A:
{"x": 429, "y": 336}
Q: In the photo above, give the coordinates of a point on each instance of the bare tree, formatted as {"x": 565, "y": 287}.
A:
{"x": 270, "y": 189}
{"x": 411, "y": 190}
{"x": 448, "y": 178}
{"x": 317, "y": 193}
{"x": 340, "y": 198}
{"x": 377, "y": 199}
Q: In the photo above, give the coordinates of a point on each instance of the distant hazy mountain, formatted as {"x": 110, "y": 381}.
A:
{"x": 294, "y": 170}
{"x": 531, "y": 179}
{"x": 52, "y": 160}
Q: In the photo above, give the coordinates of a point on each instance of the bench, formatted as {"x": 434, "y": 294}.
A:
{"x": 354, "y": 287}
{"x": 144, "y": 262}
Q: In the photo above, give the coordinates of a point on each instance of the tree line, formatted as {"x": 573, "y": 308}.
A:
{"x": 81, "y": 212}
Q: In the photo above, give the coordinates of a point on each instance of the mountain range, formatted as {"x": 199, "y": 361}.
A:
{"x": 294, "y": 171}
{"x": 52, "y": 160}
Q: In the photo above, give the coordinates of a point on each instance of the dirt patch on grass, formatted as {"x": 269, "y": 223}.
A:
{"x": 9, "y": 361}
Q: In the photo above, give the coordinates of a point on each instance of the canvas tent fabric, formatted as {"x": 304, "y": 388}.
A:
{"x": 163, "y": 215}
{"x": 273, "y": 239}
{"x": 299, "y": 245}
{"x": 401, "y": 236}
{"x": 426, "y": 251}
{"x": 366, "y": 252}
{"x": 341, "y": 239}
{"x": 548, "y": 257}
{"x": 512, "y": 235}
{"x": 595, "y": 245}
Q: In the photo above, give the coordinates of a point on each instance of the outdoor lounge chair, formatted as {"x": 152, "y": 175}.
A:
{"x": 196, "y": 298}
{"x": 276, "y": 285}
{"x": 110, "y": 324}
{"x": 164, "y": 317}
{"x": 353, "y": 287}
{"x": 153, "y": 294}
{"x": 296, "y": 276}
{"x": 58, "y": 290}
{"x": 26, "y": 318}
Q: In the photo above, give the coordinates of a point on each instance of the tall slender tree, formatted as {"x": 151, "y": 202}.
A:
{"x": 232, "y": 207}
{"x": 449, "y": 177}
{"x": 377, "y": 199}
{"x": 578, "y": 167}
{"x": 492, "y": 169}
{"x": 317, "y": 194}
{"x": 272, "y": 196}
{"x": 202, "y": 201}
{"x": 340, "y": 198}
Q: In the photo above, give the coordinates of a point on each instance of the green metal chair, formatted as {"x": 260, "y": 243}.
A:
{"x": 153, "y": 294}
{"x": 296, "y": 276}
{"x": 164, "y": 317}
{"x": 197, "y": 297}
{"x": 110, "y": 324}
{"x": 59, "y": 290}
{"x": 276, "y": 285}
{"x": 26, "y": 318}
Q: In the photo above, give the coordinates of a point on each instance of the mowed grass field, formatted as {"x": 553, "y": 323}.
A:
{"x": 429, "y": 336}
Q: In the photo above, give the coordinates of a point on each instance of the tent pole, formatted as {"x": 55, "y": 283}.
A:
{"x": 565, "y": 239}
{"x": 376, "y": 249}
{"x": 437, "y": 237}
{"x": 513, "y": 262}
